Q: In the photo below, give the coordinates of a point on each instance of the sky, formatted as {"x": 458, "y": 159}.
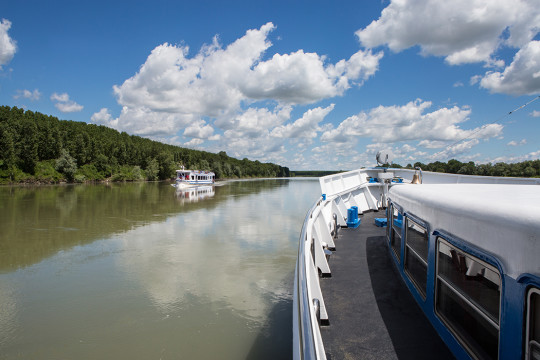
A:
{"x": 311, "y": 85}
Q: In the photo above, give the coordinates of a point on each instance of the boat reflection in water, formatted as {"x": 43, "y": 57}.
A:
{"x": 195, "y": 193}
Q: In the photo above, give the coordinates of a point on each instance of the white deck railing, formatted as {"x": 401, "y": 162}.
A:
{"x": 341, "y": 192}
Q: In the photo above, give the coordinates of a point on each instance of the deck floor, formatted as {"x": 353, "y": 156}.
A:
{"x": 372, "y": 315}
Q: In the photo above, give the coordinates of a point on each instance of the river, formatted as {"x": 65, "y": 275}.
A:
{"x": 143, "y": 271}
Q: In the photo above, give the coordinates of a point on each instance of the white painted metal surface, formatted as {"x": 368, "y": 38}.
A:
{"x": 487, "y": 208}
{"x": 503, "y": 219}
{"x": 186, "y": 178}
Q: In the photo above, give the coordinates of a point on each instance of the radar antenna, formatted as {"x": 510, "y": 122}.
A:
{"x": 384, "y": 157}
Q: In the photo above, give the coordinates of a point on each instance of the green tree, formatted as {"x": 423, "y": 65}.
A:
{"x": 166, "y": 165}
{"x": 501, "y": 169}
{"x": 66, "y": 165}
{"x": 468, "y": 169}
{"x": 80, "y": 148}
{"x": 102, "y": 165}
{"x": 28, "y": 146}
{"x": 453, "y": 166}
{"x": 7, "y": 146}
{"x": 529, "y": 171}
{"x": 152, "y": 170}
{"x": 204, "y": 165}
{"x": 237, "y": 171}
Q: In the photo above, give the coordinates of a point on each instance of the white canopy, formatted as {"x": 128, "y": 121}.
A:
{"x": 503, "y": 220}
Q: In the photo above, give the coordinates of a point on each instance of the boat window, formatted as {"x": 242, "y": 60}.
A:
{"x": 468, "y": 292}
{"x": 416, "y": 253}
{"x": 395, "y": 233}
{"x": 389, "y": 210}
{"x": 533, "y": 325}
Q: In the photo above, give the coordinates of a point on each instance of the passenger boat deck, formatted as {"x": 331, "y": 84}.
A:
{"x": 372, "y": 314}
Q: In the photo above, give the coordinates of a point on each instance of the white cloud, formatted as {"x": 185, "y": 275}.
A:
{"x": 432, "y": 144}
{"x": 60, "y": 97}
{"x": 254, "y": 122}
{"x": 515, "y": 143}
{"x": 305, "y": 127}
{"x": 8, "y": 46}
{"x": 144, "y": 121}
{"x": 241, "y": 143}
{"x": 68, "y": 107}
{"x": 338, "y": 156}
{"x": 222, "y": 83}
{"x": 400, "y": 153}
{"x": 27, "y": 94}
{"x": 522, "y": 76}
{"x": 513, "y": 159}
{"x": 535, "y": 113}
{"x": 64, "y": 104}
{"x": 467, "y": 31}
{"x": 463, "y": 31}
{"x": 475, "y": 79}
{"x": 103, "y": 117}
{"x": 199, "y": 129}
{"x": 454, "y": 150}
{"x": 193, "y": 143}
{"x": 408, "y": 122}
{"x": 300, "y": 77}
{"x": 406, "y": 148}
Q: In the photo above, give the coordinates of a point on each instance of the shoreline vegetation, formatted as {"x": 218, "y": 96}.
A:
{"x": 41, "y": 149}
{"x": 530, "y": 168}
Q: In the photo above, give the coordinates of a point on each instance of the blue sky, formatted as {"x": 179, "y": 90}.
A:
{"x": 305, "y": 84}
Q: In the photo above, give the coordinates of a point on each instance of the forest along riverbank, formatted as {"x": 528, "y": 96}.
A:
{"x": 38, "y": 148}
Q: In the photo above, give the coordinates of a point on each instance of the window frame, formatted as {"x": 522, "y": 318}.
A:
{"x": 478, "y": 309}
{"x": 393, "y": 232}
{"x": 389, "y": 211}
{"x": 528, "y": 341}
{"x": 408, "y": 247}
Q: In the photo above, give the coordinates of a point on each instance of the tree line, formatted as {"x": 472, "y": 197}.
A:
{"x": 41, "y": 148}
{"x": 312, "y": 173}
{"x": 530, "y": 168}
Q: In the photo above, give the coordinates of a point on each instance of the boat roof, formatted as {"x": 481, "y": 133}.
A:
{"x": 196, "y": 171}
{"x": 504, "y": 219}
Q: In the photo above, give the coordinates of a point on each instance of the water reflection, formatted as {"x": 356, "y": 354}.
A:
{"x": 37, "y": 222}
{"x": 226, "y": 247}
{"x": 195, "y": 193}
{"x": 8, "y": 312}
{"x": 157, "y": 278}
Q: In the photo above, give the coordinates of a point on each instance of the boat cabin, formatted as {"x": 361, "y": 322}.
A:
{"x": 194, "y": 177}
{"x": 470, "y": 255}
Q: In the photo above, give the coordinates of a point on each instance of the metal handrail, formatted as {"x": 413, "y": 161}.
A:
{"x": 305, "y": 327}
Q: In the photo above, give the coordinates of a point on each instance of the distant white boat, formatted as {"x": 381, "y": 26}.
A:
{"x": 187, "y": 178}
